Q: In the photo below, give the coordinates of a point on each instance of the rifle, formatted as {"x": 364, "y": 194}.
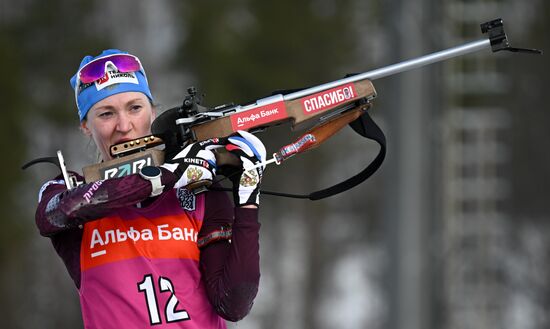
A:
{"x": 323, "y": 109}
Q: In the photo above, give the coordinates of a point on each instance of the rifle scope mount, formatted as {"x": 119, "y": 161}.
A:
{"x": 499, "y": 40}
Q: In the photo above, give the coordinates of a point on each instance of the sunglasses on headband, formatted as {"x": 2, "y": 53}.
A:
{"x": 96, "y": 69}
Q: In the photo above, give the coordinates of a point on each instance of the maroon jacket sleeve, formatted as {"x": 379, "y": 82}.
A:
{"x": 60, "y": 209}
{"x": 231, "y": 269}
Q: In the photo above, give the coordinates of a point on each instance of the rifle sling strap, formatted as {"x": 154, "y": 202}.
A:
{"x": 366, "y": 127}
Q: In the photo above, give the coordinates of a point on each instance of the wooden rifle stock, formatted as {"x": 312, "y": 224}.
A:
{"x": 302, "y": 113}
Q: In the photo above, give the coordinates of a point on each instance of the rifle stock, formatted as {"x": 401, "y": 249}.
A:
{"x": 302, "y": 113}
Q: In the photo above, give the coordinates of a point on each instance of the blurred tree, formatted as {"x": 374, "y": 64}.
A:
{"x": 11, "y": 123}
{"x": 530, "y": 174}
{"x": 530, "y": 117}
{"x": 40, "y": 45}
{"x": 246, "y": 49}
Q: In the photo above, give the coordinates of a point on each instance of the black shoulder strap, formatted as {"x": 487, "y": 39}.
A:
{"x": 366, "y": 127}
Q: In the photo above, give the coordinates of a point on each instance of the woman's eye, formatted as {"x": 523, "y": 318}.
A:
{"x": 105, "y": 114}
{"x": 135, "y": 107}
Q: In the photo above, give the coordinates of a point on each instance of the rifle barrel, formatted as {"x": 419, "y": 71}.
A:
{"x": 397, "y": 68}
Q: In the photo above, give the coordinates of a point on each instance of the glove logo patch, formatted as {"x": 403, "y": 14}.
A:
{"x": 193, "y": 174}
{"x": 249, "y": 179}
{"x": 186, "y": 199}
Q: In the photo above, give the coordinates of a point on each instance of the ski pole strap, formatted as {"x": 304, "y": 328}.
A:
{"x": 366, "y": 127}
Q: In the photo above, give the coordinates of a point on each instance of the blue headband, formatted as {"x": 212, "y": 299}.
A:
{"x": 89, "y": 95}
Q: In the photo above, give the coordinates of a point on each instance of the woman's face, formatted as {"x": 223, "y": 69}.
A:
{"x": 118, "y": 118}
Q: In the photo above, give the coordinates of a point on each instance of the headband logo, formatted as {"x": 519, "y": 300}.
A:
{"x": 113, "y": 77}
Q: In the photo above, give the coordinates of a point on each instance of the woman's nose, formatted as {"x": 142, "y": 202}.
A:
{"x": 124, "y": 123}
